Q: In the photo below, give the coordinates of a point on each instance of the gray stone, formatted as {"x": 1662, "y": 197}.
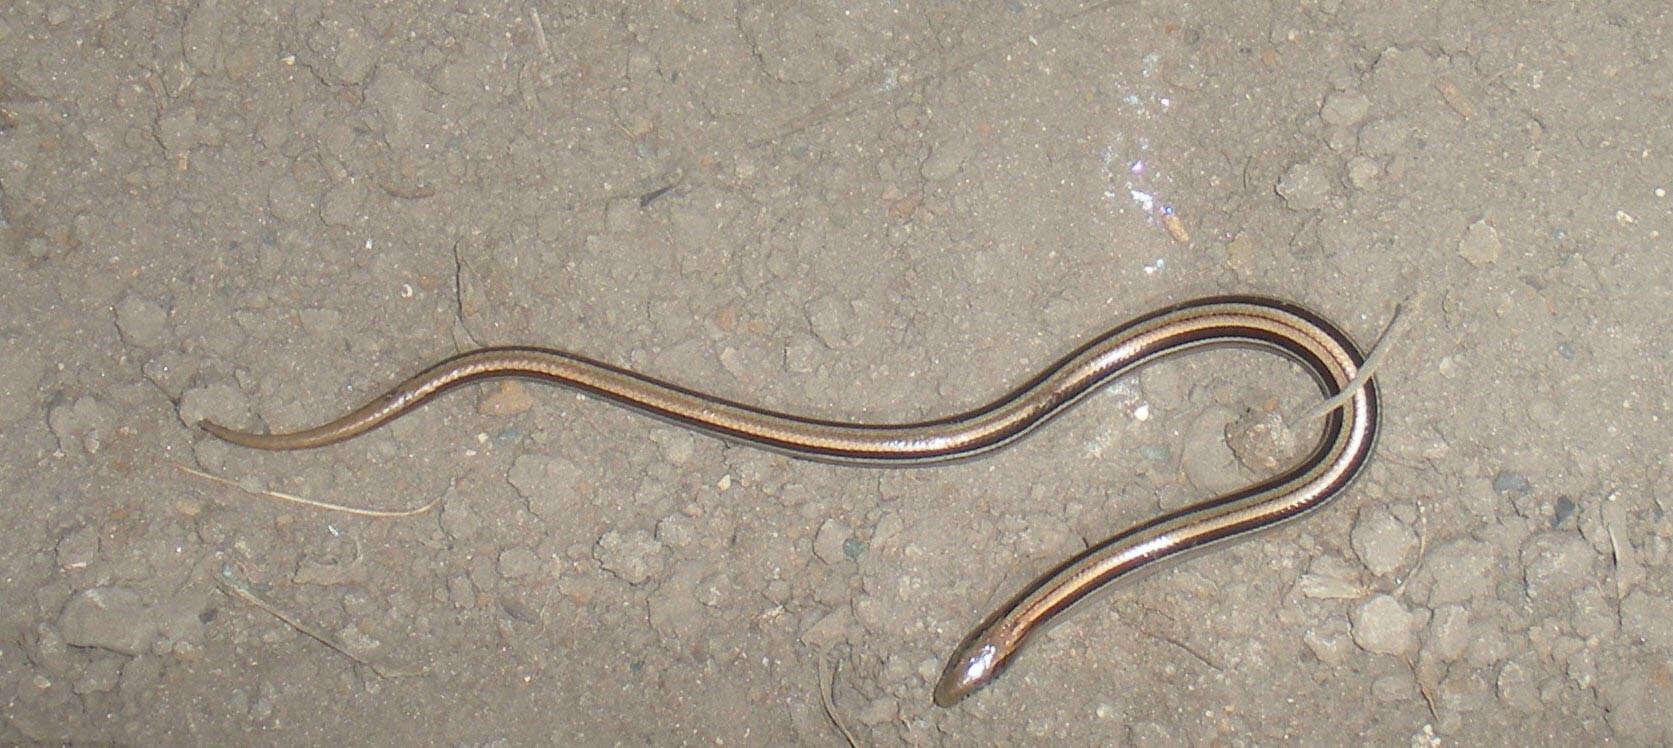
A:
{"x": 1459, "y": 570}
{"x": 828, "y": 542}
{"x": 1480, "y": 244}
{"x": 1449, "y": 633}
{"x": 110, "y": 618}
{"x": 81, "y": 426}
{"x": 1517, "y": 688}
{"x": 549, "y": 484}
{"x": 1382, "y": 542}
{"x": 1206, "y": 459}
{"x": 79, "y": 549}
{"x": 1384, "y": 626}
{"x": 674, "y": 609}
{"x": 634, "y": 556}
{"x": 1304, "y": 187}
{"x": 142, "y": 322}
{"x": 1330, "y": 641}
{"x": 519, "y": 562}
{"x": 1556, "y": 563}
{"x": 1345, "y": 108}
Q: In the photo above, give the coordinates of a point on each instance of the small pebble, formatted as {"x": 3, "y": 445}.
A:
{"x": 827, "y": 630}
{"x": 82, "y": 426}
{"x": 829, "y": 542}
{"x": 830, "y": 318}
{"x": 1384, "y": 626}
{"x": 1363, "y": 172}
{"x": 1345, "y": 108}
{"x": 1480, "y": 244}
{"x": 1517, "y": 688}
{"x": 1382, "y": 542}
{"x": 1208, "y": 463}
{"x": 1449, "y": 633}
{"x": 1261, "y": 440}
{"x": 1331, "y": 641}
{"x": 519, "y": 562}
{"x": 550, "y": 485}
{"x": 1304, "y": 187}
{"x": 460, "y": 592}
{"x": 1330, "y": 578}
{"x": 801, "y": 353}
{"x": 1593, "y": 615}
{"x": 507, "y": 398}
{"x": 110, "y": 618}
{"x": 677, "y": 445}
{"x": 142, "y": 322}
{"x": 79, "y": 549}
{"x": 675, "y": 530}
{"x": 1556, "y": 563}
{"x": 634, "y": 556}
{"x": 1241, "y": 255}
{"x": 1460, "y": 570}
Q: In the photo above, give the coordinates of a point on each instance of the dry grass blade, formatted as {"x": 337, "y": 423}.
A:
{"x": 827, "y": 674}
{"x": 325, "y": 505}
{"x": 236, "y": 587}
{"x": 1373, "y": 361}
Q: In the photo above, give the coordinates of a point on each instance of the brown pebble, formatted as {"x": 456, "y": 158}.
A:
{"x": 1176, "y": 228}
{"x": 506, "y": 399}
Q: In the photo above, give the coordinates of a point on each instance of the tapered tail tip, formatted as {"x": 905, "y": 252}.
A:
{"x": 234, "y": 436}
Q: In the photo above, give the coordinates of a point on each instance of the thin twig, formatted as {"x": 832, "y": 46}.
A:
{"x": 358, "y": 512}
{"x": 236, "y": 587}
{"x": 540, "y": 33}
{"x": 827, "y": 675}
{"x": 1188, "y": 649}
{"x": 1379, "y": 353}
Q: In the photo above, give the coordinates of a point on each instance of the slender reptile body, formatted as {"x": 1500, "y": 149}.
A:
{"x": 1325, "y": 351}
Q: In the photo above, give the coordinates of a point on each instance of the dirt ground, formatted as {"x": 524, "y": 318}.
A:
{"x": 266, "y": 213}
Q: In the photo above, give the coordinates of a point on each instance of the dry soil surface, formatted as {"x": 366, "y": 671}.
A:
{"x": 267, "y": 212}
